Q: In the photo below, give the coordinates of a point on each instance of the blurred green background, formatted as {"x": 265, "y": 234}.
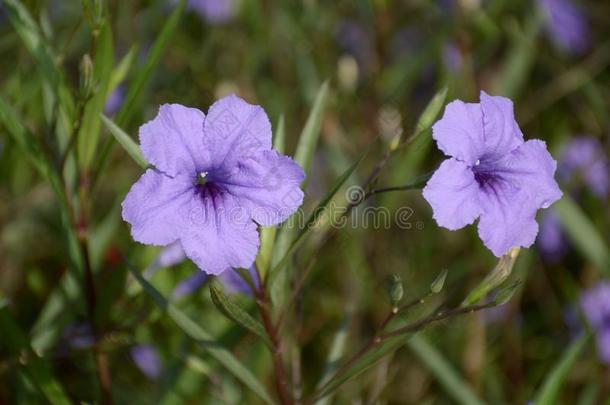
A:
{"x": 384, "y": 61}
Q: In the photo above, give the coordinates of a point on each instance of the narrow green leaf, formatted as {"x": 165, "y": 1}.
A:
{"x": 438, "y": 283}
{"x": 311, "y": 132}
{"x": 279, "y": 137}
{"x": 551, "y": 388}
{"x": 455, "y": 386}
{"x": 37, "y": 370}
{"x": 89, "y": 133}
{"x": 120, "y": 72}
{"x": 132, "y": 99}
{"x": 126, "y": 142}
{"x": 233, "y": 311}
{"x": 496, "y": 276}
{"x": 583, "y": 233}
{"x": 434, "y": 107}
{"x": 195, "y": 331}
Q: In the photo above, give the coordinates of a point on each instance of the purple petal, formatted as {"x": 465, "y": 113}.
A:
{"x": 191, "y": 284}
{"x": 173, "y": 140}
{"x": 114, "y": 101}
{"x": 532, "y": 169}
{"x": 234, "y": 129}
{"x": 603, "y": 345}
{"x": 148, "y": 361}
{"x": 501, "y": 132}
{"x": 459, "y": 133}
{"x": 155, "y": 207}
{"x": 584, "y": 156}
{"x": 267, "y": 186}
{"x": 219, "y": 233}
{"x": 551, "y": 239}
{"x": 234, "y": 283}
{"x": 453, "y": 194}
{"x": 595, "y": 303}
{"x": 214, "y": 11}
{"x": 171, "y": 255}
{"x": 508, "y": 219}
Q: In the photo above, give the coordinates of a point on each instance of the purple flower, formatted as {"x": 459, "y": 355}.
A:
{"x": 215, "y": 178}
{"x": 114, "y": 101}
{"x": 552, "y": 241}
{"x": 230, "y": 279}
{"x": 595, "y": 303}
{"x": 148, "y": 361}
{"x": 492, "y": 174}
{"x": 584, "y": 157}
{"x": 452, "y": 57}
{"x": 566, "y": 25}
{"x": 214, "y": 11}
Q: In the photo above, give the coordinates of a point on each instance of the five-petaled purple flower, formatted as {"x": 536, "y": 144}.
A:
{"x": 595, "y": 303}
{"x": 491, "y": 174}
{"x": 214, "y": 179}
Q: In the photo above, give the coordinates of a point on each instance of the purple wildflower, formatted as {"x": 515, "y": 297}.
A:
{"x": 148, "y": 361}
{"x": 491, "y": 174}
{"x": 584, "y": 157}
{"x": 552, "y": 241}
{"x": 215, "y": 178}
{"x": 214, "y": 11}
{"x": 595, "y": 303}
{"x": 566, "y": 25}
{"x": 452, "y": 58}
{"x": 114, "y": 101}
{"x": 230, "y": 279}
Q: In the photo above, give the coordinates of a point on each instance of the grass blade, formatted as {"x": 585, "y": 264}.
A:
{"x": 126, "y": 142}
{"x": 554, "y": 382}
{"x": 583, "y": 233}
{"x": 35, "y": 368}
{"x": 192, "y": 329}
{"x": 311, "y": 132}
{"x": 455, "y": 386}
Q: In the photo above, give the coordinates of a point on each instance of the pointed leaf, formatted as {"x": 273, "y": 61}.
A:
{"x": 126, "y": 142}
{"x": 311, "y": 132}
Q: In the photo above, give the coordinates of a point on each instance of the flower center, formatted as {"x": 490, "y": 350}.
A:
{"x": 202, "y": 178}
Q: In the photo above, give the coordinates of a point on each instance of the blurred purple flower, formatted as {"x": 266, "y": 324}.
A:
{"x": 114, "y": 101}
{"x": 566, "y": 25}
{"x": 492, "y": 174}
{"x": 595, "y": 303}
{"x": 551, "y": 241}
{"x": 214, "y": 11}
{"x": 230, "y": 279}
{"x": 78, "y": 336}
{"x": 584, "y": 157}
{"x": 215, "y": 179}
{"x": 452, "y": 57}
{"x": 148, "y": 361}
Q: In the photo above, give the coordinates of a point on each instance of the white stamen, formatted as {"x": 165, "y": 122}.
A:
{"x": 478, "y": 162}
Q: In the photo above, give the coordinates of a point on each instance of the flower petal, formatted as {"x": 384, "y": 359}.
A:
{"x": 453, "y": 194}
{"x": 508, "y": 219}
{"x": 459, "y": 133}
{"x": 219, "y": 234}
{"x": 155, "y": 206}
{"x": 531, "y": 168}
{"x": 173, "y": 140}
{"x": 501, "y": 133}
{"x": 234, "y": 128}
{"x": 267, "y": 186}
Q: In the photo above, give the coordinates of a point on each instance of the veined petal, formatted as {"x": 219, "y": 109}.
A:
{"x": 531, "y": 168}
{"x": 155, "y": 207}
{"x": 173, "y": 140}
{"x": 501, "y": 133}
{"x": 267, "y": 186}
{"x": 234, "y": 128}
{"x": 453, "y": 194}
{"x": 219, "y": 233}
{"x": 459, "y": 133}
{"x": 508, "y": 219}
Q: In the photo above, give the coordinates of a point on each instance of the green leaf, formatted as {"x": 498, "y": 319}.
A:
{"x": 583, "y": 233}
{"x": 36, "y": 369}
{"x": 126, "y": 142}
{"x": 497, "y": 276}
{"x": 279, "y": 137}
{"x": 455, "y": 386}
{"x": 438, "y": 283}
{"x": 120, "y": 72}
{"x": 195, "y": 331}
{"x": 311, "y": 132}
{"x": 88, "y": 136}
{"x": 230, "y": 309}
{"x": 551, "y": 388}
